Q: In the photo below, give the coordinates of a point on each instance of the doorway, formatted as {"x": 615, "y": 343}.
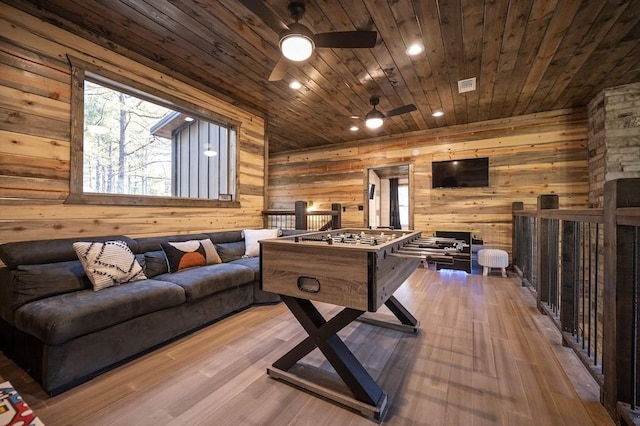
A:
{"x": 380, "y": 183}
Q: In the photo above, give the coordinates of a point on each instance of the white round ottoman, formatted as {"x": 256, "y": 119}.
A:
{"x": 493, "y": 258}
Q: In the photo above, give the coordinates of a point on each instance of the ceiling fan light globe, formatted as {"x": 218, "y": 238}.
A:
{"x": 297, "y": 45}
{"x": 415, "y": 49}
{"x": 374, "y": 122}
{"x": 374, "y": 119}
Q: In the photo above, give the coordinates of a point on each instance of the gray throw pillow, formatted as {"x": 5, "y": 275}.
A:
{"x": 230, "y": 251}
{"x": 155, "y": 263}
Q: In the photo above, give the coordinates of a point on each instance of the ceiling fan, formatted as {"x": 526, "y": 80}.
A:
{"x": 375, "y": 118}
{"x": 297, "y": 42}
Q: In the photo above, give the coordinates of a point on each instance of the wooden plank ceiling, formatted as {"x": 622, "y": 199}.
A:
{"x": 527, "y": 55}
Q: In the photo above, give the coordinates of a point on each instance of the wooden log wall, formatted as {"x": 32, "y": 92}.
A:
{"x": 529, "y": 155}
{"x": 596, "y": 146}
{"x": 35, "y": 137}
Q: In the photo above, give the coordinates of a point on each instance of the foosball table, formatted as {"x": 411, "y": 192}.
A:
{"x": 353, "y": 268}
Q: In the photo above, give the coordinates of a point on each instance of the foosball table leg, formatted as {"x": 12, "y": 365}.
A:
{"x": 408, "y": 323}
{"x": 369, "y": 397}
{"x": 401, "y": 312}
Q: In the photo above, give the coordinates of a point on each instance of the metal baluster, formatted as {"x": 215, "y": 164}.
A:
{"x": 556, "y": 251}
{"x": 576, "y": 288}
{"x": 583, "y": 251}
{"x": 548, "y": 249}
{"x": 553, "y": 267}
{"x": 634, "y": 328}
{"x": 556, "y": 270}
{"x": 522, "y": 244}
{"x": 595, "y": 346}
{"x": 516, "y": 251}
{"x": 534, "y": 253}
{"x": 589, "y": 291}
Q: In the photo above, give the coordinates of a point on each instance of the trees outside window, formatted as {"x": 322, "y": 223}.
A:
{"x": 121, "y": 154}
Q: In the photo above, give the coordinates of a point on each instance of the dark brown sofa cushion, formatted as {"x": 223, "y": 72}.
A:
{"x": 207, "y": 280}
{"x": 57, "y": 319}
{"x": 33, "y": 282}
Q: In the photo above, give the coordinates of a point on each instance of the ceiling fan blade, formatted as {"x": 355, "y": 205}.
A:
{"x": 401, "y": 110}
{"x": 346, "y": 39}
{"x": 268, "y": 16}
{"x": 279, "y": 70}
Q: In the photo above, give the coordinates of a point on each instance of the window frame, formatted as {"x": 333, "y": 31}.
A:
{"x": 81, "y": 71}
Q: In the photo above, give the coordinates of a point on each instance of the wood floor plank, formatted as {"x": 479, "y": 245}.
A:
{"x": 483, "y": 355}
{"x": 485, "y": 397}
{"x": 512, "y": 391}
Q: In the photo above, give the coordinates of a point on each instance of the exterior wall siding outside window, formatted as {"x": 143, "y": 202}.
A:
{"x": 203, "y": 166}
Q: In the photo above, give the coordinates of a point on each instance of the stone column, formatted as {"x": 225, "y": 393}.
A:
{"x": 614, "y": 138}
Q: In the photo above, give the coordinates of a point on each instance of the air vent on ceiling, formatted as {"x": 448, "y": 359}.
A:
{"x": 468, "y": 85}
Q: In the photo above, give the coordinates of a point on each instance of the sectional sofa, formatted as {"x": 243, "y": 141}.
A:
{"x": 60, "y": 330}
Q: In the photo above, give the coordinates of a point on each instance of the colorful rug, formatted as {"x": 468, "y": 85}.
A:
{"x": 13, "y": 410}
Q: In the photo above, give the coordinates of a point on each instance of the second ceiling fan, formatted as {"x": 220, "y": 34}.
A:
{"x": 297, "y": 42}
{"x": 375, "y": 118}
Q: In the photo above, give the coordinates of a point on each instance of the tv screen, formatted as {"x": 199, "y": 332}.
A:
{"x": 471, "y": 172}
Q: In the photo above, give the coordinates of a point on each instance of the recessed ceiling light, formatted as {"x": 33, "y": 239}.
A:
{"x": 437, "y": 113}
{"x": 354, "y": 128}
{"x": 295, "y": 84}
{"x": 415, "y": 49}
{"x": 188, "y": 119}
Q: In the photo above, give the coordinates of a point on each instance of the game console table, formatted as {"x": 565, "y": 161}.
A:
{"x": 353, "y": 268}
{"x": 462, "y": 260}
{"x": 446, "y": 250}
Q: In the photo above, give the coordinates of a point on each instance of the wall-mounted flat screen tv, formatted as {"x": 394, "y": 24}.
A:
{"x": 466, "y": 173}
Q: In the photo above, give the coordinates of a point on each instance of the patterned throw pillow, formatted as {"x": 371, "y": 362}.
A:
{"x": 211, "y": 253}
{"x": 183, "y": 255}
{"x": 108, "y": 263}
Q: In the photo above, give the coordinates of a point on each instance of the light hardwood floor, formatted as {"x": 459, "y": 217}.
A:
{"x": 483, "y": 356}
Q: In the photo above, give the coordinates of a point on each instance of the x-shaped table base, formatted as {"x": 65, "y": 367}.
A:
{"x": 368, "y": 397}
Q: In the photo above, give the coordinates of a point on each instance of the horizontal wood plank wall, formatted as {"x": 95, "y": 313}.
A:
{"x": 543, "y": 153}
{"x": 35, "y": 137}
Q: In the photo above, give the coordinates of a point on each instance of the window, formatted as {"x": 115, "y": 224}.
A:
{"x": 403, "y": 203}
{"x": 143, "y": 147}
